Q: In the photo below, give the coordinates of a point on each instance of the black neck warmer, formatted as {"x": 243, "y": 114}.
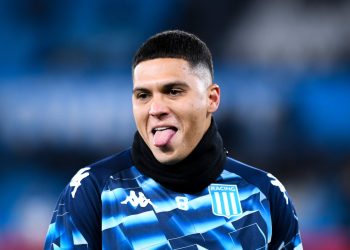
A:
{"x": 191, "y": 175}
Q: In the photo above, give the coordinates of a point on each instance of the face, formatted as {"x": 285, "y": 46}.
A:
{"x": 172, "y": 106}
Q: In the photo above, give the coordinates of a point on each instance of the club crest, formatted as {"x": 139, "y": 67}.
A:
{"x": 225, "y": 200}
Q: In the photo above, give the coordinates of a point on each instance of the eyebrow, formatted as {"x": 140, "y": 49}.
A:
{"x": 163, "y": 87}
{"x": 139, "y": 90}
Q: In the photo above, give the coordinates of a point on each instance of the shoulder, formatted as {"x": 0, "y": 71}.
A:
{"x": 285, "y": 228}
{"x": 111, "y": 164}
{"x": 266, "y": 182}
{"x": 252, "y": 175}
{"x": 97, "y": 173}
{"x": 77, "y": 217}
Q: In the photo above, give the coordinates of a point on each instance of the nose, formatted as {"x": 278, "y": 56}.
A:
{"x": 158, "y": 108}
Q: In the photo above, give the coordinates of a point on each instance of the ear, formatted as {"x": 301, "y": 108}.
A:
{"x": 214, "y": 97}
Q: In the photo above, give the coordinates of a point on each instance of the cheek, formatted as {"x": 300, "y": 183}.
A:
{"x": 196, "y": 103}
{"x": 139, "y": 117}
{"x": 200, "y": 103}
{"x": 139, "y": 110}
{"x": 194, "y": 114}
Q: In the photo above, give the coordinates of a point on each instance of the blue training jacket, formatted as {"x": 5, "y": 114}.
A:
{"x": 111, "y": 205}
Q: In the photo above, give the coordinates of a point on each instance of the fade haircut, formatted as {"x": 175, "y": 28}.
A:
{"x": 175, "y": 44}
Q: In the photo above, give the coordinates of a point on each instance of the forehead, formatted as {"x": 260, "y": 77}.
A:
{"x": 162, "y": 70}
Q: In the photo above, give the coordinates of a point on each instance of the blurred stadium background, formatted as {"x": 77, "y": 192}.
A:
{"x": 65, "y": 88}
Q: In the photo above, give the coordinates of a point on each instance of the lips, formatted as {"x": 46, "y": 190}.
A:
{"x": 162, "y": 135}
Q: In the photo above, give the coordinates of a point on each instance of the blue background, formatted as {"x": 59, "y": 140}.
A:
{"x": 65, "y": 98}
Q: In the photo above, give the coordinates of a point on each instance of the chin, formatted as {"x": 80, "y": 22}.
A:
{"x": 166, "y": 159}
{"x": 170, "y": 162}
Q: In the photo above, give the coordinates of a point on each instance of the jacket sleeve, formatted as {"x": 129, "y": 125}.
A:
{"x": 76, "y": 220}
{"x": 285, "y": 225}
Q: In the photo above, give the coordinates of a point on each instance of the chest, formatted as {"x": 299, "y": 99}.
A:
{"x": 148, "y": 216}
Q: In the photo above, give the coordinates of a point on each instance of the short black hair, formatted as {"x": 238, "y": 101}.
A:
{"x": 175, "y": 44}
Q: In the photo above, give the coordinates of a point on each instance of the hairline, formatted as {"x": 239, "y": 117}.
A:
{"x": 200, "y": 69}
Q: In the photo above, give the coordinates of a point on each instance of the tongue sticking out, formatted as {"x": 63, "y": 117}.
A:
{"x": 161, "y": 138}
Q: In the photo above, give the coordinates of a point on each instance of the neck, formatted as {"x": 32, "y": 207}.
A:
{"x": 191, "y": 175}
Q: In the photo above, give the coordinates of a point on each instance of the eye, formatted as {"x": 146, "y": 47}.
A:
{"x": 175, "y": 92}
{"x": 142, "y": 95}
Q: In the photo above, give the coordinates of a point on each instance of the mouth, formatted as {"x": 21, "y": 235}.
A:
{"x": 163, "y": 135}
{"x": 154, "y": 130}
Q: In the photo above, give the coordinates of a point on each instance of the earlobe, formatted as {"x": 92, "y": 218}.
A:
{"x": 214, "y": 97}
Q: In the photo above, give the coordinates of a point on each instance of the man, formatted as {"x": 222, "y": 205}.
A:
{"x": 175, "y": 188}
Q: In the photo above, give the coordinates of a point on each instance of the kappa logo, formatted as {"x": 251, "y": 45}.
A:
{"x": 225, "y": 200}
{"x": 136, "y": 201}
{"x": 77, "y": 178}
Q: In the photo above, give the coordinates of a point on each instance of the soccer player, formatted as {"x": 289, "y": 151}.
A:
{"x": 175, "y": 188}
